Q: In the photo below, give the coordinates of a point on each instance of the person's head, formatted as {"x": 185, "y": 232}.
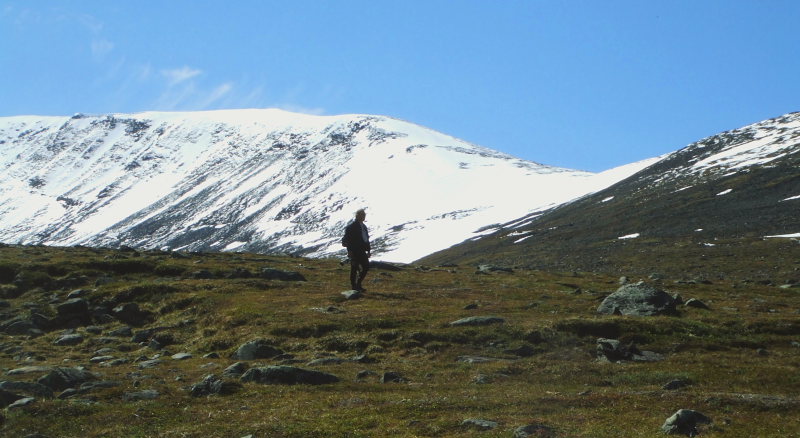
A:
{"x": 361, "y": 215}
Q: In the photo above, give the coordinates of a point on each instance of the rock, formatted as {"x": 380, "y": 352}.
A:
{"x": 639, "y": 300}
{"x": 472, "y": 306}
{"x": 31, "y": 388}
{"x": 212, "y": 355}
{"x": 477, "y": 359}
{"x": 685, "y": 422}
{"x": 486, "y": 269}
{"x": 73, "y": 307}
{"x": 181, "y": 356}
{"x": 675, "y": 384}
{"x": 67, "y": 340}
{"x": 790, "y": 286}
{"x": 623, "y": 280}
{"x": 393, "y": 377}
{"x": 694, "y": 302}
{"x": 211, "y": 385}
{"x": 29, "y": 370}
{"x": 21, "y": 327}
{"x": 534, "y": 430}
{"x": 100, "y": 359}
{"x": 60, "y": 379}
{"x": 149, "y": 363}
{"x": 277, "y": 274}
{"x": 147, "y": 394}
{"x": 352, "y": 294}
{"x": 478, "y": 320}
{"x": 364, "y": 374}
{"x": 475, "y": 423}
{"x": 122, "y": 332}
{"x": 203, "y": 274}
{"x": 8, "y": 397}
{"x": 91, "y": 386}
{"x": 522, "y": 351}
{"x": 130, "y": 313}
{"x": 77, "y": 293}
{"x": 612, "y": 350}
{"x": 21, "y": 403}
{"x": 142, "y": 335}
{"x": 256, "y": 349}
{"x": 235, "y": 371}
{"x": 286, "y": 375}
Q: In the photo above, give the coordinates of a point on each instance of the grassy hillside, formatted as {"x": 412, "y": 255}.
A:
{"x": 739, "y": 359}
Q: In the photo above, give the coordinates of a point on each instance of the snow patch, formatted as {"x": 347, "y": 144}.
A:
{"x": 724, "y": 192}
{"x": 629, "y": 236}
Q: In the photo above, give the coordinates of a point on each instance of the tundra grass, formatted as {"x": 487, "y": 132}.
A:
{"x": 739, "y": 358}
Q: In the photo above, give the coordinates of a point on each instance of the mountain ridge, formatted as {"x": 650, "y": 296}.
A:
{"x": 258, "y": 180}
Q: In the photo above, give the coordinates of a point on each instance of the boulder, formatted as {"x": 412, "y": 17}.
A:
{"x": 235, "y": 371}
{"x": 392, "y": 377}
{"x": 147, "y": 394}
{"x": 639, "y": 300}
{"x": 60, "y": 378}
{"x": 130, "y": 313}
{"x": 286, "y": 375}
{"x": 694, "y": 302}
{"x": 8, "y": 397}
{"x": 534, "y": 430}
{"x": 685, "y": 422}
{"x": 256, "y": 349}
{"x": 31, "y": 388}
{"x": 211, "y": 385}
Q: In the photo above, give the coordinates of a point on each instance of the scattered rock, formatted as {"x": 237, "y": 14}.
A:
{"x": 694, "y": 302}
{"x": 181, "y": 356}
{"x": 8, "y": 397}
{"x": 100, "y": 359}
{"x": 211, "y": 385}
{"x": 612, "y": 350}
{"x": 235, "y": 371}
{"x": 487, "y": 269}
{"x": 325, "y": 361}
{"x": 212, "y": 355}
{"x": 623, "y": 280}
{"x": 277, "y": 274}
{"x": 479, "y": 424}
{"x": 256, "y": 349}
{"x": 122, "y": 332}
{"x": 286, "y": 375}
{"x": 130, "y": 313}
{"x": 477, "y": 359}
{"x": 363, "y": 374}
{"x": 60, "y": 379}
{"x": 472, "y": 306}
{"x": 31, "y": 388}
{"x": 21, "y": 403}
{"x": 685, "y": 422}
{"x": 478, "y": 320}
{"x": 639, "y": 300}
{"x": 352, "y": 294}
{"x": 152, "y": 363}
{"x": 393, "y": 377}
{"x": 147, "y": 394}
{"x": 29, "y": 370}
{"x": 67, "y": 340}
{"x": 675, "y": 384}
{"x": 534, "y": 430}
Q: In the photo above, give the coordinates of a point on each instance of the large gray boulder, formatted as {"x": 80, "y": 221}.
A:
{"x": 286, "y": 375}
{"x": 639, "y": 300}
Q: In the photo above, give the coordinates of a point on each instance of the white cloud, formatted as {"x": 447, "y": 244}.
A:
{"x": 215, "y": 95}
{"x": 178, "y": 75}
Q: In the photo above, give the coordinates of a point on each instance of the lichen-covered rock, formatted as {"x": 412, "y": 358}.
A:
{"x": 256, "y": 349}
{"x": 639, "y": 300}
{"x": 685, "y": 422}
{"x": 286, "y": 375}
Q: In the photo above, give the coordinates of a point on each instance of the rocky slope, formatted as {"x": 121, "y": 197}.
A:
{"x": 723, "y": 195}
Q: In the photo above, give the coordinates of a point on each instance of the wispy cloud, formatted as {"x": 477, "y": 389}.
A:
{"x": 179, "y": 75}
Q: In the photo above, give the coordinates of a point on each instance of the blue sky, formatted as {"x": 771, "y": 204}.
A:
{"x": 580, "y": 84}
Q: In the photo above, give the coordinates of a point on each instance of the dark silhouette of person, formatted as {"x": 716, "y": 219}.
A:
{"x": 356, "y": 239}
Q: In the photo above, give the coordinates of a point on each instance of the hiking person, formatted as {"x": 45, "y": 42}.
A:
{"x": 356, "y": 239}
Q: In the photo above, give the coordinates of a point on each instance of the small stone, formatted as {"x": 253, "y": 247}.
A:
{"x": 479, "y": 424}
{"x": 181, "y": 356}
{"x": 477, "y": 321}
{"x": 212, "y": 355}
{"x": 694, "y": 302}
{"x": 21, "y": 403}
{"x": 147, "y": 394}
{"x": 352, "y": 294}
{"x": 392, "y": 377}
{"x": 534, "y": 430}
{"x": 68, "y": 340}
{"x": 675, "y": 384}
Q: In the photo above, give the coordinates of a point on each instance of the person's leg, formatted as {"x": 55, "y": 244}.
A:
{"x": 353, "y": 272}
{"x": 364, "y": 267}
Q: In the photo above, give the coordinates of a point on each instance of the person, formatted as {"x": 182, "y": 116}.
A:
{"x": 356, "y": 239}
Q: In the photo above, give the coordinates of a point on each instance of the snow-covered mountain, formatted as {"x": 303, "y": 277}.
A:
{"x": 261, "y": 181}
{"x": 729, "y": 193}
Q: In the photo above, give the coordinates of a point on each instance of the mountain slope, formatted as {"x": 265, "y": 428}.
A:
{"x": 260, "y": 180}
{"x": 719, "y": 196}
